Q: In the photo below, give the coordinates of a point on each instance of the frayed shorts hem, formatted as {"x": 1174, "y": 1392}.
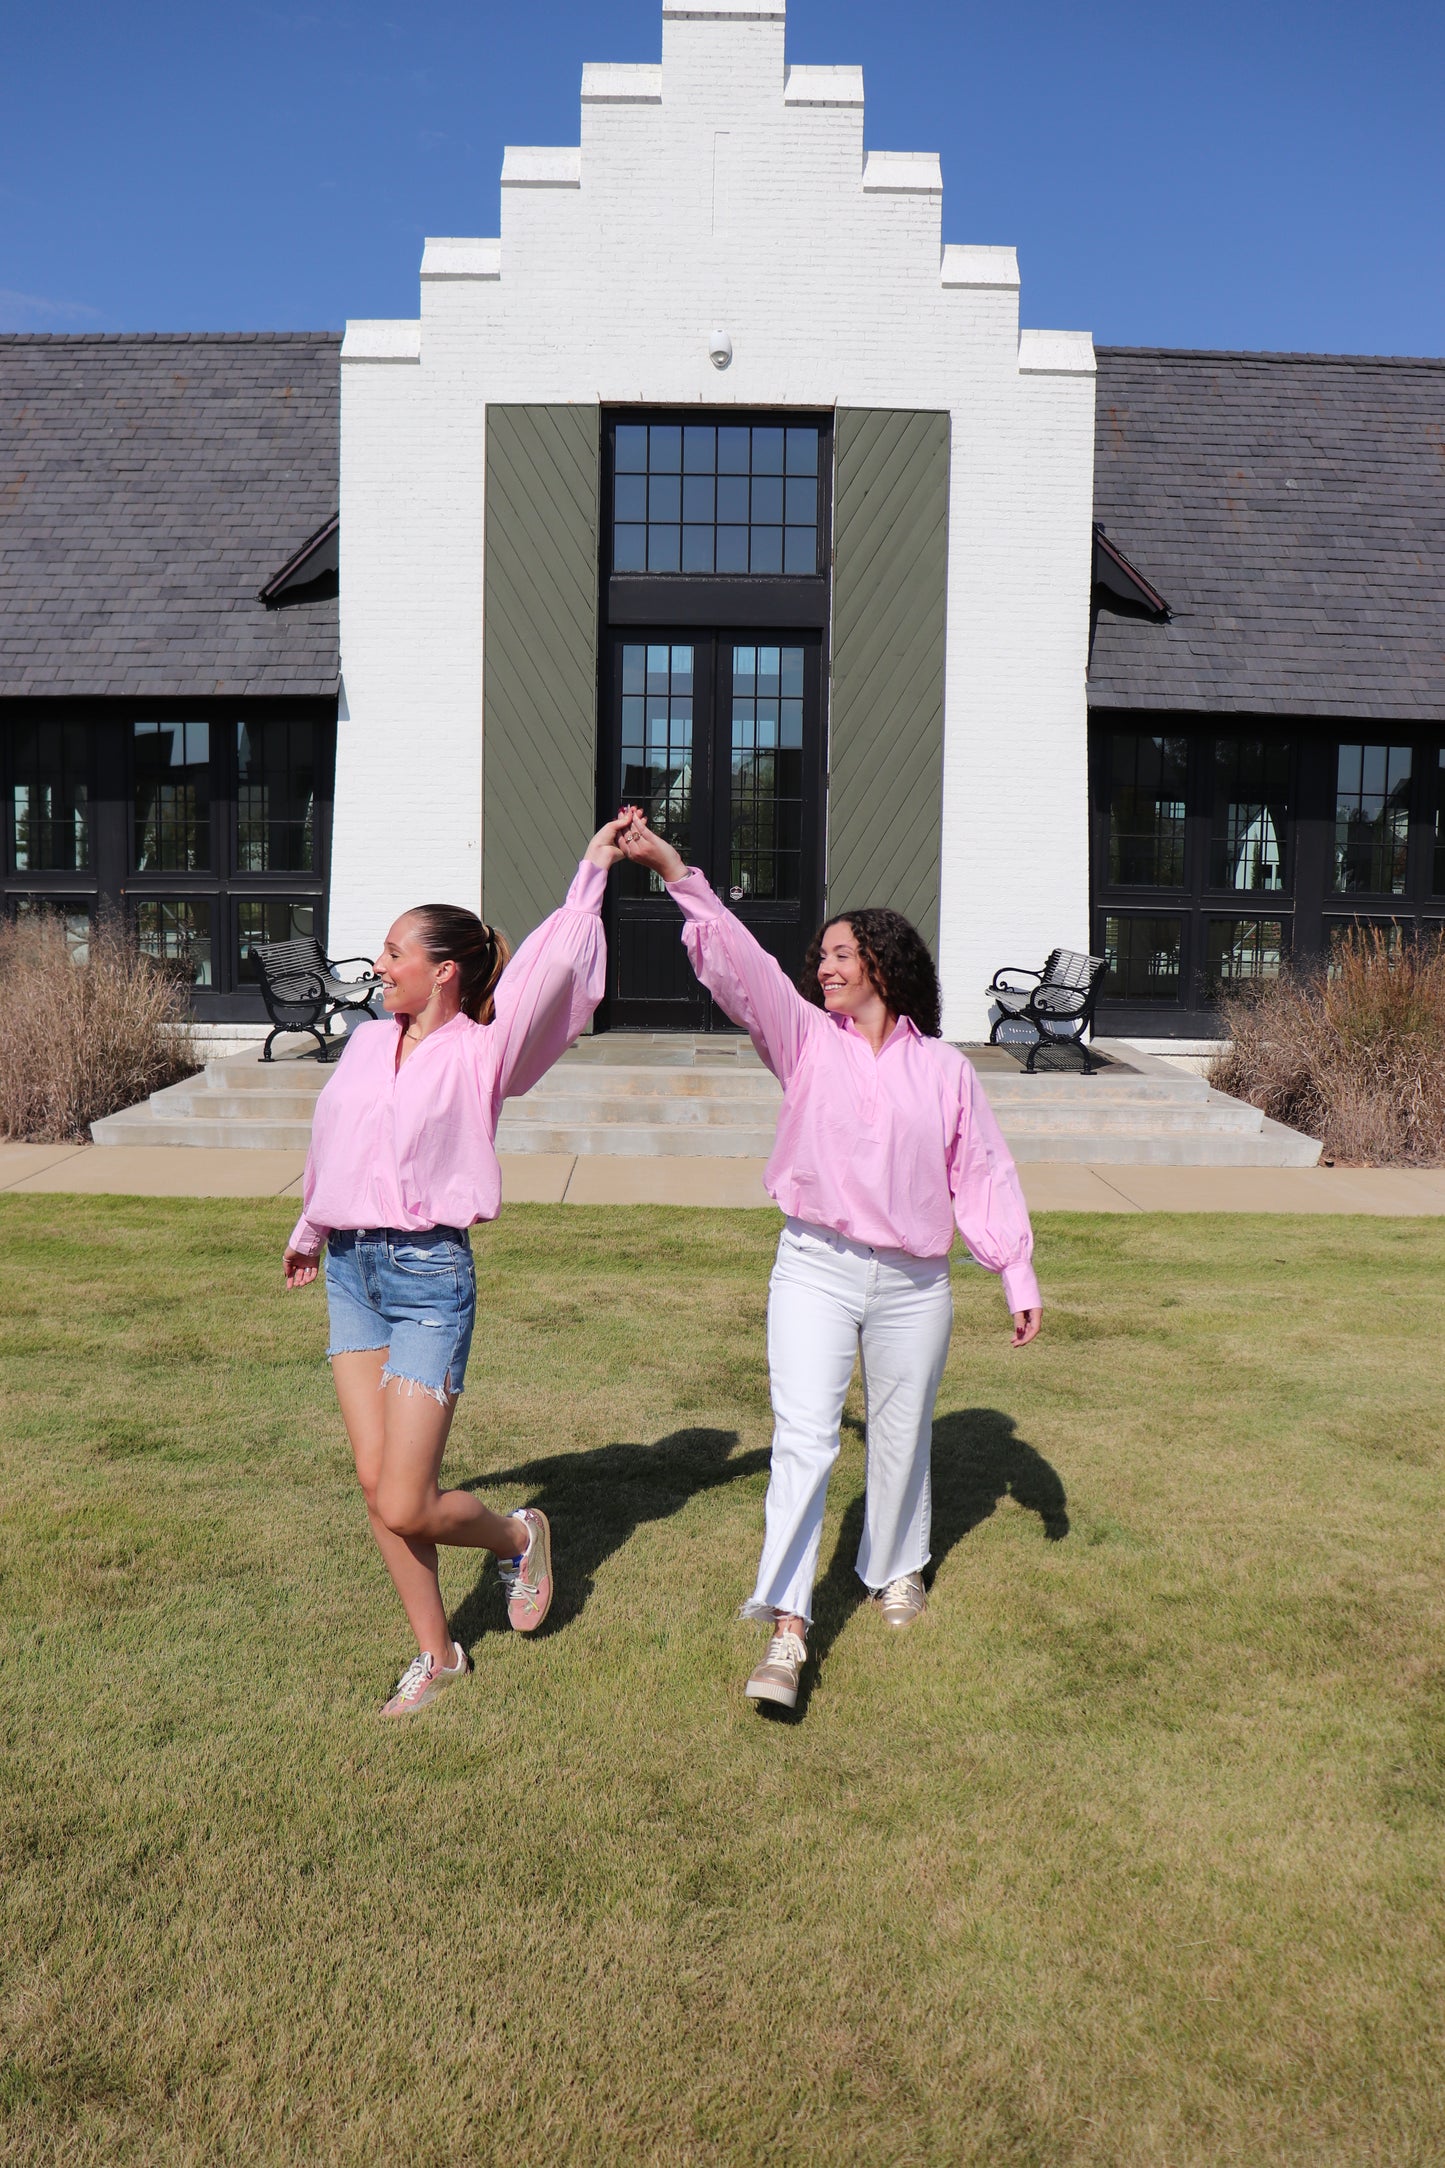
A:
{"x": 765, "y": 1614}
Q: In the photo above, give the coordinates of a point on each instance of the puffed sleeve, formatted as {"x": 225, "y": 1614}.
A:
{"x": 988, "y": 1202}
{"x": 748, "y": 984}
{"x": 550, "y": 988}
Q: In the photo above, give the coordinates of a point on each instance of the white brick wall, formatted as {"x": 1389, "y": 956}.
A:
{"x": 722, "y": 189}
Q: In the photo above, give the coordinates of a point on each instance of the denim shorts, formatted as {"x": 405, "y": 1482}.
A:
{"x": 413, "y": 1294}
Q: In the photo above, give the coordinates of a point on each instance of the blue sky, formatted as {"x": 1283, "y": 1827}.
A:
{"x": 1219, "y": 174}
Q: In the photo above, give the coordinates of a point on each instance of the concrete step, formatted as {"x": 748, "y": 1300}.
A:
{"x": 645, "y": 1141}
{"x": 633, "y": 1096}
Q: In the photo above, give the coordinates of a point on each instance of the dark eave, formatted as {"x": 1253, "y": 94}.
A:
{"x": 313, "y": 571}
{"x": 1119, "y": 586}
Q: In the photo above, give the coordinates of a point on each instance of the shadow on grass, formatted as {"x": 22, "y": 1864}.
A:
{"x": 594, "y": 1501}
{"x": 977, "y": 1462}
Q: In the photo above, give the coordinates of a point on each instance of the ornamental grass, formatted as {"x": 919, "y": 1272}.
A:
{"x": 83, "y": 1032}
{"x": 1352, "y": 1052}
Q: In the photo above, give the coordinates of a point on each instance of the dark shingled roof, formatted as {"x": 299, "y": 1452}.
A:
{"x": 1291, "y": 510}
{"x": 149, "y": 488}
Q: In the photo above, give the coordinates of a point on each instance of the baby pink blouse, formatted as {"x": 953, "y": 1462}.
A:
{"x": 412, "y": 1147}
{"x": 890, "y": 1149}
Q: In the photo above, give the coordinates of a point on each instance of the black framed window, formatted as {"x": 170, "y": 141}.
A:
{"x": 735, "y": 498}
{"x": 172, "y": 796}
{"x": 1145, "y": 957}
{"x": 1250, "y": 813}
{"x": 74, "y": 913}
{"x": 657, "y": 745}
{"x": 276, "y": 791}
{"x": 1372, "y": 819}
{"x": 263, "y": 919}
{"x": 1242, "y": 949}
{"x": 1147, "y": 794}
{"x": 1437, "y": 879}
{"x": 766, "y": 778}
{"x": 178, "y": 931}
{"x": 50, "y": 798}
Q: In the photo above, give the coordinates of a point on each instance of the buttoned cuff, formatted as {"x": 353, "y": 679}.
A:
{"x": 1020, "y": 1288}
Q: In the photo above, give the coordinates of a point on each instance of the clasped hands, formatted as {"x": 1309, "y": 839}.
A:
{"x": 630, "y": 837}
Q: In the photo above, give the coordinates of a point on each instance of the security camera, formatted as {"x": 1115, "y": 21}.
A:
{"x": 719, "y": 349}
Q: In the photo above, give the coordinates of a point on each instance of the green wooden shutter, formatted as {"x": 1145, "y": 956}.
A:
{"x": 890, "y": 606}
{"x": 539, "y": 658}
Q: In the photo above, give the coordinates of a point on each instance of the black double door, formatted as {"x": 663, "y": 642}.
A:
{"x": 717, "y": 735}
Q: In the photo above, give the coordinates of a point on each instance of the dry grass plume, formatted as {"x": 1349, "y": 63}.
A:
{"x": 79, "y": 1040}
{"x": 1353, "y": 1054}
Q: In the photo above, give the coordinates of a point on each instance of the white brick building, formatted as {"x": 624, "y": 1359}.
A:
{"x": 720, "y": 207}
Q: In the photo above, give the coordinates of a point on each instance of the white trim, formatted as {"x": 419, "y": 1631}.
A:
{"x": 461, "y": 259}
{"x": 721, "y": 11}
{"x": 616, "y": 82}
{"x": 903, "y": 173}
{"x": 980, "y": 269}
{"x": 533, "y": 165}
{"x": 824, "y": 86}
{"x": 379, "y": 338}
{"x": 1056, "y": 353}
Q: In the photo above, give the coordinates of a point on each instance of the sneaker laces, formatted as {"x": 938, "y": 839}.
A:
{"x": 414, "y": 1678}
{"x": 903, "y": 1590}
{"x": 786, "y": 1648}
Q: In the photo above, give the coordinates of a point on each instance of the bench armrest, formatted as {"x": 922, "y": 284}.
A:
{"x": 1018, "y": 971}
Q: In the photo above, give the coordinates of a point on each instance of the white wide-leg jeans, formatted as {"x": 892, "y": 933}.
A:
{"x": 829, "y": 1301}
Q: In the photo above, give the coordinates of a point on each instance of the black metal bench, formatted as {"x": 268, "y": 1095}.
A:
{"x": 1055, "y": 1010}
{"x": 302, "y": 992}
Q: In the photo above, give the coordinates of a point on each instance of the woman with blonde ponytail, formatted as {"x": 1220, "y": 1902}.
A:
{"x": 402, "y": 1163}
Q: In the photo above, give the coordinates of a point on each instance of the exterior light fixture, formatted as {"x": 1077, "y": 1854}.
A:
{"x": 719, "y": 349}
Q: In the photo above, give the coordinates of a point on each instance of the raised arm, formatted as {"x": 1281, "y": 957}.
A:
{"x": 746, "y": 982}
{"x": 988, "y": 1203}
{"x": 556, "y": 979}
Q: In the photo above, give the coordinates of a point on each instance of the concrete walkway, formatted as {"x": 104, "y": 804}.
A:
{"x": 559, "y": 1178}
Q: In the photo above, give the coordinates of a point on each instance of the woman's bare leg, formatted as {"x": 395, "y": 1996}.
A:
{"x": 397, "y": 1440}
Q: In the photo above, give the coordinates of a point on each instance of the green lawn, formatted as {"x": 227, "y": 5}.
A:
{"x": 1130, "y": 1853}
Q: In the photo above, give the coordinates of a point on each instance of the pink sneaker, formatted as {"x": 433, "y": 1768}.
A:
{"x": 528, "y": 1579}
{"x": 423, "y": 1679}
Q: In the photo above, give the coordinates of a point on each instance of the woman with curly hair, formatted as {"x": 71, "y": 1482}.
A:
{"x": 884, "y": 1144}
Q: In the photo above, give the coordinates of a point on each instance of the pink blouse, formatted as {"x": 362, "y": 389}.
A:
{"x": 412, "y": 1147}
{"x": 889, "y": 1149}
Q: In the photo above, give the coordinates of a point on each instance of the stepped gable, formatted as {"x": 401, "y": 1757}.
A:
{"x": 1291, "y": 510}
{"x": 150, "y": 486}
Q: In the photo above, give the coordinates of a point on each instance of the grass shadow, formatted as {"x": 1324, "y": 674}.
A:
{"x": 977, "y": 1463}
{"x": 594, "y": 1501}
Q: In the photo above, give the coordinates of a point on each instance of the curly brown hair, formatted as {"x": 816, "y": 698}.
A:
{"x": 896, "y": 958}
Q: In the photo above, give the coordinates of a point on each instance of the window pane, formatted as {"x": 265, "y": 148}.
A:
{"x": 700, "y": 473}
{"x": 664, "y": 448}
{"x": 802, "y": 457}
{"x": 51, "y": 808}
{"x": 699, "y": 448}
{"x": 697, "y": 549}
{"x": 664, "y": 549}
{"x": 275, "y": 796}
{"x": 172, "y": 797}
{"x": 1143, "y": 958}
{"x": 1249, "y": 814}
{"x": 1338, "y": 931}
{"x": 1437, "y": 886}
{"x": 1240, "y": 949}
{"x": 263, "y": 920}
{"x": 631, "y": 456}
{"x": 177, "y": 933}
{"x": 74, "y": 918}
{"x": 1146, "y": 811}
{"x": 657, "y": 749}
{"x": 1372, "y": 819}
{"x": 766, "y": 780}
